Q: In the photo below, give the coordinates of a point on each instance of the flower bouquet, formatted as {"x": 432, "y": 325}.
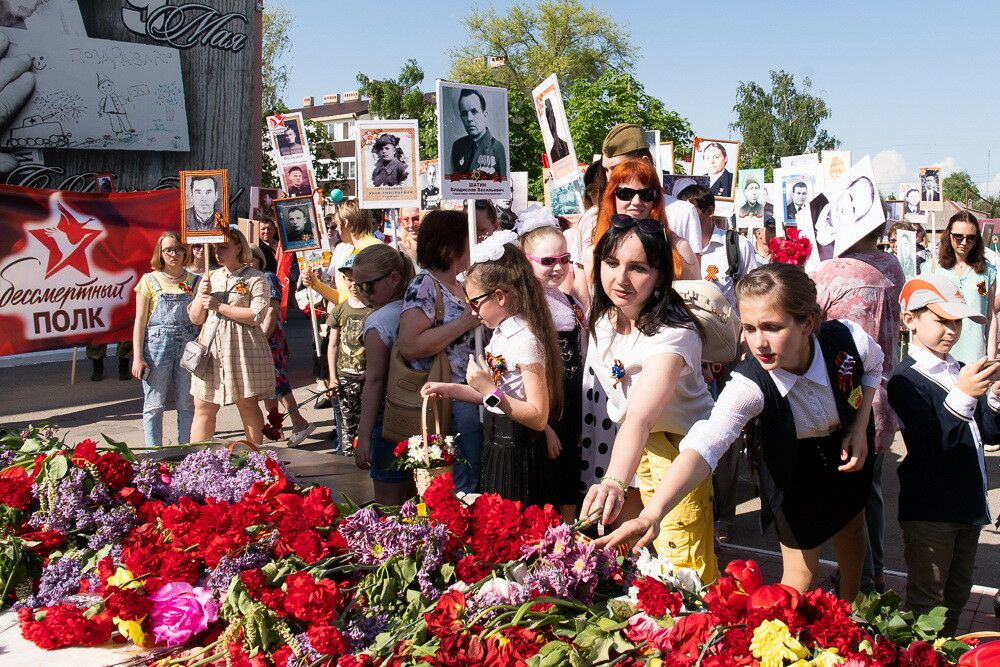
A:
{"x": 793, "y": 249}
{"x": 427, "y": 455}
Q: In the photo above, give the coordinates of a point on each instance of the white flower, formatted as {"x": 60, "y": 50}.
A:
{"x": 661, "y": 568}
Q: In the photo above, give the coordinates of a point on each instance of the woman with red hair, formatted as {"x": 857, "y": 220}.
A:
{"x": 634, "y": 189}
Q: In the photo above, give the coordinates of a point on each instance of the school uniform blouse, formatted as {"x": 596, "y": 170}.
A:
{"x": 512, "y": 347}
{"x": 691, "y": 400}
{"x": 810, "y": 398}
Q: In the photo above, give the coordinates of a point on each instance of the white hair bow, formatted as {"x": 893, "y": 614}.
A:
{"x": 491, "y": 248}
{"x": 534, "y": 217}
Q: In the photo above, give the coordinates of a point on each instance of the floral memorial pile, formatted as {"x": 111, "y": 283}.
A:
{"x": 224, "y": 559}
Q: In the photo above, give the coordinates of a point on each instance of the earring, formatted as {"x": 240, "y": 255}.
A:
{"x": 656, "y": 293}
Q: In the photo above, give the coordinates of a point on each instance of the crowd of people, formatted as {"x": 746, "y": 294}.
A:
{"x": 593, "y": 393}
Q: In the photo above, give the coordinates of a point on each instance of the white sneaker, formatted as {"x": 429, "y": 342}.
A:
{"x": 299, "y": 436}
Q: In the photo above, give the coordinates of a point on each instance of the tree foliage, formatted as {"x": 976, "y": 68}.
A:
{"x": 958, "y": 186}
{"x": 401, "y": 97}
{"x": 276, "y": 25}
{"x": 784, "y": 120}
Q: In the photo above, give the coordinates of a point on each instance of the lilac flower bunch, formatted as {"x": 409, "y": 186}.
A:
{"x": 152, "y": 479}
{"x": 216, "y": 474}
{"x": 60, "y": 579}
{"x": 566, "y": 567}
{"x": 361, "y": 630}
{"x": 218, "y": 580}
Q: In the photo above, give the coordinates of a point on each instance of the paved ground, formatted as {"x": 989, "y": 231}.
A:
{"x": 42, "y": 392}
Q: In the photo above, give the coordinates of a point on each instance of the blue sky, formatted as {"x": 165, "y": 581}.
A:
{"x": 912, "y": 84}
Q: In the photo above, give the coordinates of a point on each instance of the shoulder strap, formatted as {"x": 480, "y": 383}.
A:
{"x": 153, "y": 282}
{"x": 438, "y": 303}
{"x": 733, "y": 253}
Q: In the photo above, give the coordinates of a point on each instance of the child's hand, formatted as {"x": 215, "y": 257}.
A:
{"x": 974, "y": 378}
{"x": 478, "y": 376}
{"x": 436, "y": 390}
{"x": 552, "y": 443}
{"x": 995, "y": 388}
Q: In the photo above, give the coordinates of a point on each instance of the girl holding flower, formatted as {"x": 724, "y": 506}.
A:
{"x": 807, "y": 394}
{"x": 519, "y": 380}
{"x": 232, "y": 301}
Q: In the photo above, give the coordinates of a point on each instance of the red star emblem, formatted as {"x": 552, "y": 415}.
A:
{"x": 67, "y": 243}
{"x": 276, "y": 121}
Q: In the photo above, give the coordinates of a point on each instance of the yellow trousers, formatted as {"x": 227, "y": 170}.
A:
{"x": 687, "y": 532}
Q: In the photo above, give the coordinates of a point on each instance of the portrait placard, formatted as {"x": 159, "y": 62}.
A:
{"x": 430, "y": 185}
{"x": 835, "y": 164}
{"x": 653, "y": 139}
{"x": 387, "y": 154}
{"x": 750, "y": 198}
{"x": 808, "y": 161}
{"x": 906, "y": 251}
{"x": 297, "y": 178}
{"x": 297, "y": 223}
{"x": 893, "y": 210}
{"x": 772, "y": 197}
{"x": 204, "y": 206}
{"x": 909, "y": 193}
{"x": 563, "y": 199}
{"x": 931, "y": 198}
{"x": 288, "y": 135}
{"x": 717, "y": 159}
{"x": 473, "y": 141}
{"x": 798, "y": 187}
{"x": 555, "y": 130}
{"x": 105, "y": 182}
{"x": 666, "y": 155}
{"x": 262, "y": 202}
{"x": 854, "y": 209}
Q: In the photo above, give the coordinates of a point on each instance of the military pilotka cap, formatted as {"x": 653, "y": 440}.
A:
{"x": 624, "y": 138}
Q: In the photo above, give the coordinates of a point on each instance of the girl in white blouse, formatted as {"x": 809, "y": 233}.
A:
{"x": 645, "y": 351}
{"x": 807, "y": 395}
{"x": 519, "y": 380}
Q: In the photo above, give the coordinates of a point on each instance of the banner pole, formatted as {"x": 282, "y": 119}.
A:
{"x": 312, "y": 316}
{"x": 394, "y": 223}
{"x": 206, "y": 246}
{"x": 471, "y": 206}
{"x": 72, "y": 368}
{"x": 935, "y": 239}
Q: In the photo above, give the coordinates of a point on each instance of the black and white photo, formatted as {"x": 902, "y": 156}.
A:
{"x": 388, "y": 163}
{"x": 297, "y": 179}
{"x": 296, "y": 217}
{"x": 204, "y": 206}
{"x": 430, "y": 181}
{"x": 930, "y": 189}
{"x": 717, "y": 159}
{"x": 555, "y": 130}
{"x": 473, "y": 141}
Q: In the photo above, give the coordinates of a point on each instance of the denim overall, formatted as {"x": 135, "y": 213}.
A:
{"x": 167, "y": 332}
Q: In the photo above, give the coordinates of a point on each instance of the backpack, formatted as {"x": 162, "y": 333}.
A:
{"x": 733, "y": 253}
{"x": 717, "y": 317}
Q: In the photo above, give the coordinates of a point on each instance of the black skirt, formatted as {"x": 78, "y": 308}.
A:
{"x": 820, "y": 500}
{"x": 565, "y": 469}
{"x": 514, "y": 460}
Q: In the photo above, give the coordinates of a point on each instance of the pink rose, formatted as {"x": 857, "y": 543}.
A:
{"x": 643, "y": 628}
{"x": 180, "y": 611}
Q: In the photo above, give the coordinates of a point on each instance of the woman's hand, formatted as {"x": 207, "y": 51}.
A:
{"x": 334, "y": 386}
{"x": 642, "y": 527}
{"x": 478, "y": 375}
{"x": 436, "y": 390}
{"x": 209, "y": 302}
{"x": 469, "y": 320}
{"x": 205, "y": 287}
{"x": 854, "y": 450}
{"x": 363, "y": 452}
{"x": 309, "y": 279}
{"x": 603, "y": 503}
{"x": 138, "y": 363}
{"x": 552, "y": 443}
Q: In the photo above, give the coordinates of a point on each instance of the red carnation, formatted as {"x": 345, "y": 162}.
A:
{"x": 84, "y": 452}
{"x": 327, "y": 639}
{"x": 115, "y": 471}
{"x": 656, "y": 599}
{"x": 15, "y": 488}
{"x": 127, "y": 604}
{"x": 64, "y": 625}
{"x": 445, "y": 618}
{"x": 400, "y": 448}
{"x": 470, "y": 569}
{"x": 362, "y": 660}
{"x": 309, "y": 600}
{"x": 922, "y": 654}
{"x": 282, "y": 656}
{"x": 254, "y": 581}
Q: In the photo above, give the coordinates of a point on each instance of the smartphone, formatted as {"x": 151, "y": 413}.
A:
{"x": 145, "y": 373}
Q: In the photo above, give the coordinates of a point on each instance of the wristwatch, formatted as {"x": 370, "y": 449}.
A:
{"x": 492, "y": 400}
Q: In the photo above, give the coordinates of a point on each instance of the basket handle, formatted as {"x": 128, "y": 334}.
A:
{"x": 423, "y": 427}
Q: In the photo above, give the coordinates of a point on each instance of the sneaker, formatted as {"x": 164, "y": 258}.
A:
{"x": 324, "y": 403}
{"x": 992, "y": 448}
{"x": 298, "y": 437}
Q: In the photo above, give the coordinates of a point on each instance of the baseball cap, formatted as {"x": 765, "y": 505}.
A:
{"x": 624, "y": 138}
{"x": 348, "y": 263}
{"x": 939, "y": 295}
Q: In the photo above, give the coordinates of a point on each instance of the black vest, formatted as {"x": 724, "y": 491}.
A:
{"x": 772, "y": 433}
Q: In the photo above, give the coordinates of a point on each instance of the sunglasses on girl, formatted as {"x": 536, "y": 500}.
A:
{"x": 647, "y": 225}
{"x": 550, "y": 260}
{"x": 627, "y": 194}
{"x": 966, "y": 238}
{"x": 476, "y": 302}
{"x": 368, "y": 286}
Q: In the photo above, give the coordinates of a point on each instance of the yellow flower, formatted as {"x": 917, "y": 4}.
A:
{"x": 132, "y": 630}
{"x": 122, "y": 578}
{"x": 773, "y": 644}
{"x": 828, "y": 658}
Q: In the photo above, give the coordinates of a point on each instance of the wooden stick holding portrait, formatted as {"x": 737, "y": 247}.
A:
{"x": 298, "y": 229}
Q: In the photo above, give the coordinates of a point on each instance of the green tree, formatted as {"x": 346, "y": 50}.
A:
{"x": 276, "y": 24}
{"x": 784, "y": 120}
{"x": 615, "y": 97}
{"x": 401, "y": 97}
{"x": 959, "y": 187}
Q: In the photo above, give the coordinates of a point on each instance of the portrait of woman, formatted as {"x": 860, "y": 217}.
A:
{"x": 712, "y": 158}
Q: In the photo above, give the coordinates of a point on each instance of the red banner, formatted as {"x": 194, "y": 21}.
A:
{"x": 69, "y": 263}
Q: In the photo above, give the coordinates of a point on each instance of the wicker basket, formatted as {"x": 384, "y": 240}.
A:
{"x": 423, "y": 476}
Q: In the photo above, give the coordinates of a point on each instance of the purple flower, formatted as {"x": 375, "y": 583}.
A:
{"x": 361, "y": 631}
{"x": 229, "y": 568}
{"x": 215, "y": 474}
{"x": 150, "y": 481}
{"x": 60, "y": 579}
{"x": 112, "y": 525}
{"x": 7, "y": 457}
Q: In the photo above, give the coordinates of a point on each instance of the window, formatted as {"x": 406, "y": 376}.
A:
{"x": 347, "y": 170}
{"x": 341, "y": 130}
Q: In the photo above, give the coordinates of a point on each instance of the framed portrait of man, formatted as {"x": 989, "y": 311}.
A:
{"x": 297, "y": 179}
{"x": 387, "y": 154}
{"x": 798, "y": 187}
{"x": 931, "y": 198}
{"x": 204, "y": 206}
{"x": 555, "y": 131}
{"x": 288, "y": 137}
{"x": 262, "y": 201}
{"x": 717, "y": 159}
{"x": 473, "y": 141}
{"x": 750, "y": 198}
{"x": 430, "y": 185}
{"x": 105, "y": 182}
{"x": 297, "y": 223}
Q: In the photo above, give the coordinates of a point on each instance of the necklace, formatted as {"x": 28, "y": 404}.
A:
{"x": 174, "y": 279}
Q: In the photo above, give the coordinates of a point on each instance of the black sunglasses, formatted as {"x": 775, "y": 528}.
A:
{"x": 968, "y": 238}
{"x": 646, "y": 194}
{"x": 368, "y": 286}
{"x": 647, "y": 225}
{"x": 477, "y": 301}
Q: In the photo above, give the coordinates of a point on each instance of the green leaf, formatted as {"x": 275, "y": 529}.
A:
{"x": 608, "y": 625}
{"x": 57, "y": 467}
{"x": 31, "y": 445}
{"x": 121, "y": 448}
